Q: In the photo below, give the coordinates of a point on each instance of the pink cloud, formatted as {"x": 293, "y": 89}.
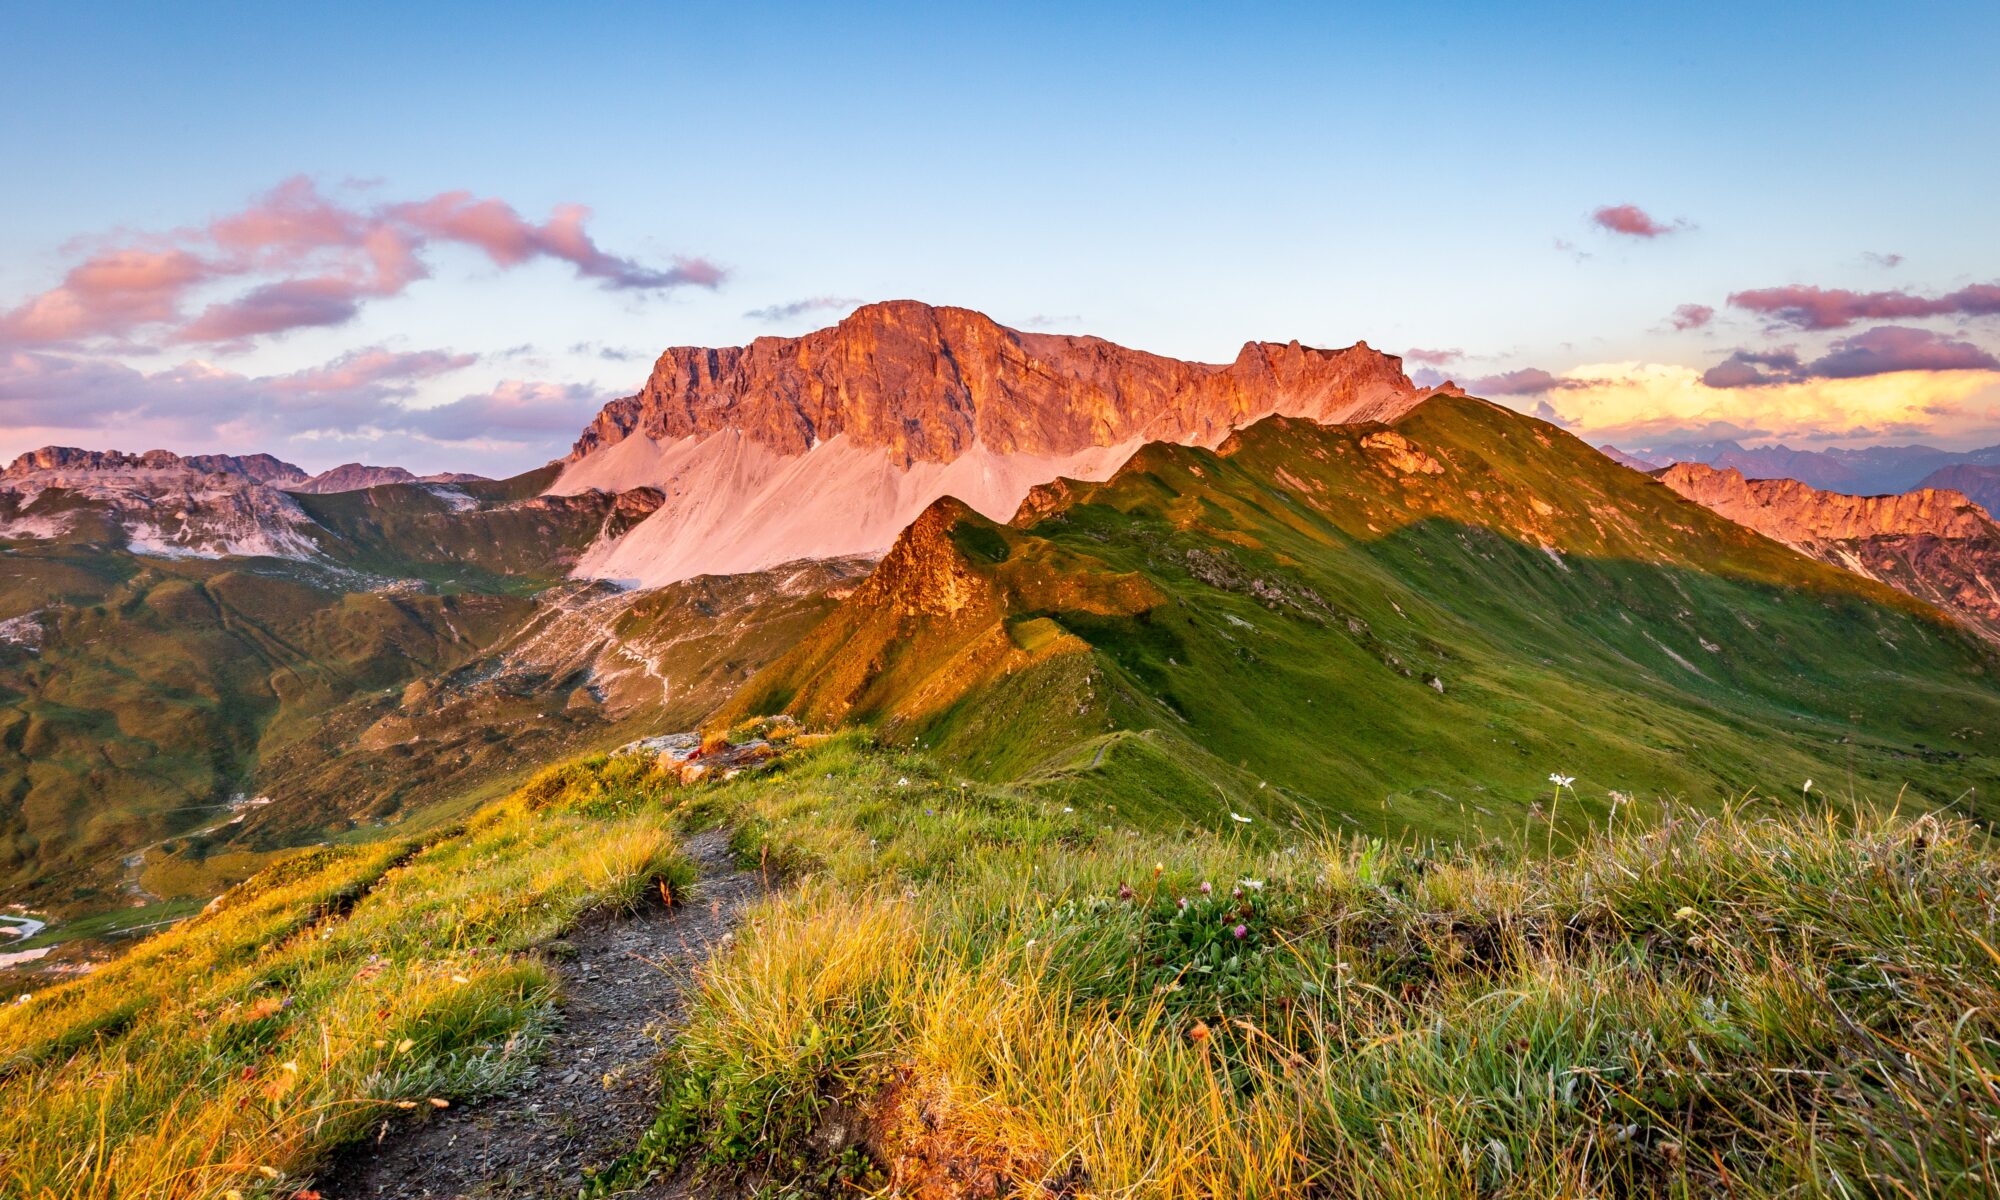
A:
{"x": 328, "y": 259}
{"x": 1528, "y": 381}
{"x": 509, "y": 240}
{"x": 275, "y": 308}
{"x": 1806, "y": 307}
{"x": 1433, "y": 358}
{"x": 1879, "y": 351}
{"x": 366, "y": 398}
{"x": 107, "y": 293}
{"x": 1632, "y": 221}
{"x": 1692, "y": 316}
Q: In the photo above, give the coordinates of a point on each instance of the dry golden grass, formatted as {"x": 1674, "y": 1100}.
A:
{"x": 334, "y": 991}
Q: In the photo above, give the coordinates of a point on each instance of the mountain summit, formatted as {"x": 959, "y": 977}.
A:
{"x": 831, "y": 443}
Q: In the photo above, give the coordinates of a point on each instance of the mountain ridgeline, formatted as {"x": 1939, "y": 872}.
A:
{"x": 1290, "y": 588}
{"x": 1408, "y": 625}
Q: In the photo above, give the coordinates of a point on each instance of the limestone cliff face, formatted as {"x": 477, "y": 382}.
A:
{"x": 1932, "y": 543}
{"x": 927, "y": 384}
{"x": 1791, "y": 512}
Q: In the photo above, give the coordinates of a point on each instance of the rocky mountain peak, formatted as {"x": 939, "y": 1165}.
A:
{"x": 928, "y": 384}
{"x": 925, "y": 573}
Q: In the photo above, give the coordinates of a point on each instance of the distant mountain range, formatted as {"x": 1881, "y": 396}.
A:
{"x": 1871, "y": 471}
{"x": 57, "y": 462}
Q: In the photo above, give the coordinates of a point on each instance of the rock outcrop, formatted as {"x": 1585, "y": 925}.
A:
{"x": 927, "y": 384}
{"x": 1933, "y": 543}
{"x": 829, "y": 444}
{"x": 1979, "y": 482}
{"x": 48, "y": 460}
{"x": 355, "y": 477}
{"x": 159, "y": 502}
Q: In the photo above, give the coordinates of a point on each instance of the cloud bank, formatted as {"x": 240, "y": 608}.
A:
{"x": 299, "y": 259}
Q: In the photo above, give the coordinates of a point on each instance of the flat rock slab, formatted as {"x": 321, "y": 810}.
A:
{"x": 595, "y": 1089}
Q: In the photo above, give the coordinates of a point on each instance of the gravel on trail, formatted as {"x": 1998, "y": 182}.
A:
{"x": 593, "y": 1090}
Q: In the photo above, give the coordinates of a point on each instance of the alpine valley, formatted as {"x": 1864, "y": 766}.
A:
{"x": 944, "y": 760}
{"x": 1295, "y": 587}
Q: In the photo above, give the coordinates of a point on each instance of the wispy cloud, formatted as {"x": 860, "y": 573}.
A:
{"x": 1433, "y": 358}
{"x": 304, "y": 260}
{"x": 1882, "y": 350}
{"x": 1528, "y": 381}
{"x": 1691, "y": 316}
{"x": 799, "y": 308}
{"x": 1803, "y": 306}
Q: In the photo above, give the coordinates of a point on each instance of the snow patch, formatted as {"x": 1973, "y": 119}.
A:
{"x": 456, "y": 497}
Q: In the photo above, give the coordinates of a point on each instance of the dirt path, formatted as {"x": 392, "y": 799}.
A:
{"x": 621, "y": 996}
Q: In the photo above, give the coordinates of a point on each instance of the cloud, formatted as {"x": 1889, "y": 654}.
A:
{"x": 1650, "y": 404}
{"x": 514, "y": 407}
{"x": 1807, "y": 307}
{"x": 617, "y": 354}
{"x": 1528, "y": 381}
{"x": 509, "y": 240}
{"x": 799, "y": 308}
{"x": 1883, "y": 350}
{"x": 1692, "y": 316}
{"x": 304, "y": 260}
{"x": 1885, "y": 261}
{"x": 1632, "y": 221}
{"x": 1748, "y": 368}
{"x": 368, "y": 396}
{"x": 1433, "y": 358}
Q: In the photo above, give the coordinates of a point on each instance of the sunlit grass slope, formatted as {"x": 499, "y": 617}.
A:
{"x": 973, "y": 993}
{"x": 327, "y": 994}
{"x": 1392, "y": 627}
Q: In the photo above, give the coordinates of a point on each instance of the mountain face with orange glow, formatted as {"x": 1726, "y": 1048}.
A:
{"x": 1933, "y": 543}
{"x": 831, "y": 443}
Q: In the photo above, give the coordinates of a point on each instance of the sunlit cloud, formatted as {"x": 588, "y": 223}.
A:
{"x": 303, "y": 260}
{"x": 1636, "y": 403}
{"x": 1803, "y": 306}
{"x": 368, "y": 396}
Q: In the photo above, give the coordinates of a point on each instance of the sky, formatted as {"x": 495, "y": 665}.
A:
{"x": 440, "y": 236}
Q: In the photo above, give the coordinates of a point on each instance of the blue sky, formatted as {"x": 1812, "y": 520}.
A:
{"x": 1179, "y": 178}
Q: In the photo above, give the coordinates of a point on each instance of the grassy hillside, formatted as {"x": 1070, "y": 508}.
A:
{"x": 334, "y": 991}
{"x": 974, "y": 990}
{"x": 1393, "y": 628}
{"x": 143, "y": 692}
{"x": 473, "y": 536}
